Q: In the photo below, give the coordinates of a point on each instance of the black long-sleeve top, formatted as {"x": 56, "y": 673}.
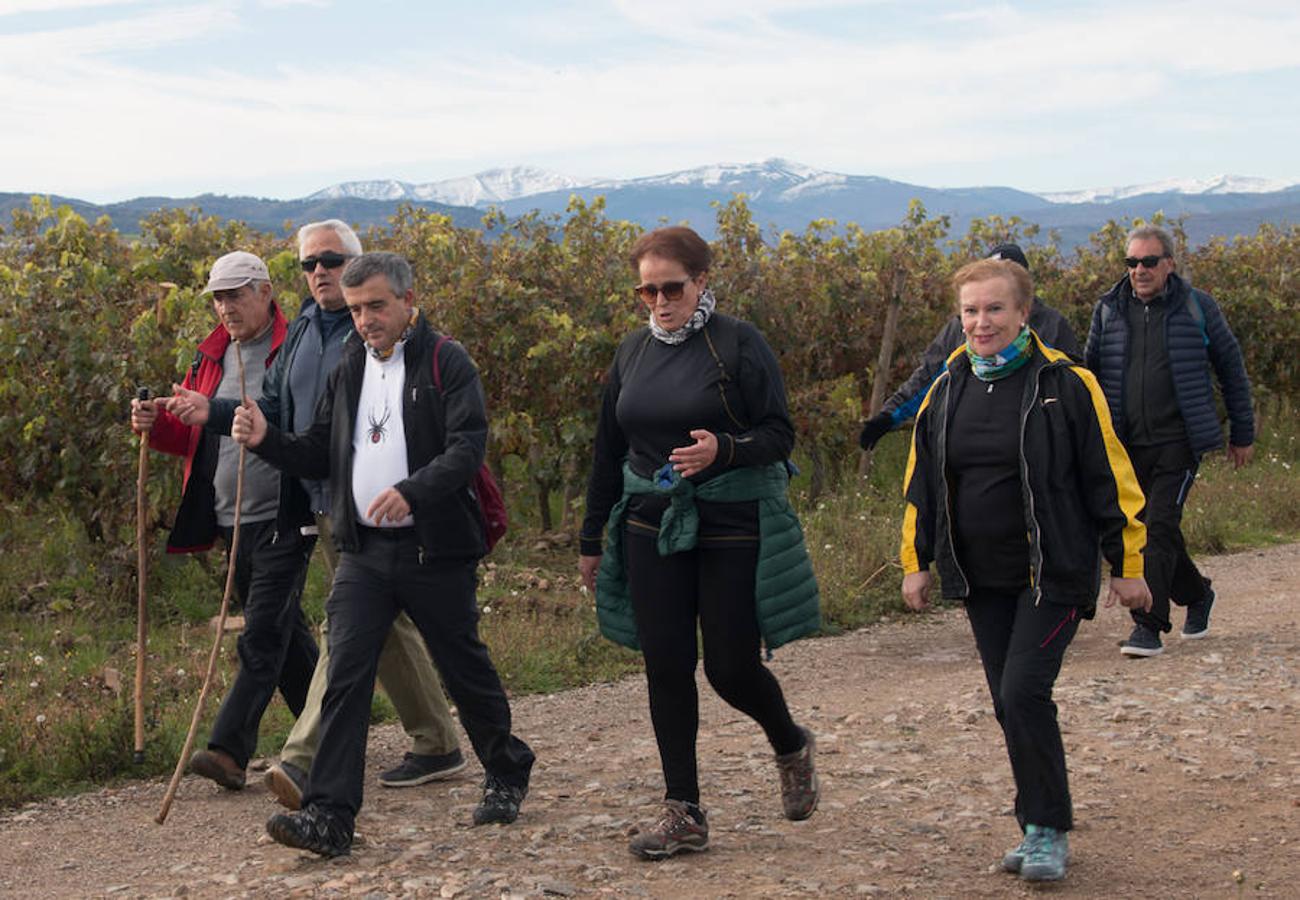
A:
{"x": 724, "y": 379}
{"x": 988, "y": 509}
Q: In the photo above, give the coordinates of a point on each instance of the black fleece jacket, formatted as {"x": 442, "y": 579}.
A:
{"x": 446, "y": 437}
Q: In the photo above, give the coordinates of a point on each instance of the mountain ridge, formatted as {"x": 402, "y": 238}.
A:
{"x": 782, "y": 195}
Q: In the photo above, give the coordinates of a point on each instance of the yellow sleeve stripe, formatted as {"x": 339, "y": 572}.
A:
{"x": 907, "y": 552}
{"x": 1128, "y": 492}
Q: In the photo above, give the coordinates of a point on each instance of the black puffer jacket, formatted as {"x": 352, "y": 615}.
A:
{"x": 446, "y": 438}
{"x": 1198, "y": 338}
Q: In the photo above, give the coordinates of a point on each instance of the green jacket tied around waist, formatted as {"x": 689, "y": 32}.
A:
{"x": 786, "y": 599}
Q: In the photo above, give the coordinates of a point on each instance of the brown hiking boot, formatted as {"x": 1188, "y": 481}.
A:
{"x": 286, "y": 781}
{"x": 219, "y": 766}
{"x": 799, "y": 790}
{"x": 675, "y": 831}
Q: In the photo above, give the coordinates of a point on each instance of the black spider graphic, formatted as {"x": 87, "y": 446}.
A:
{"x": 378, "y": 428}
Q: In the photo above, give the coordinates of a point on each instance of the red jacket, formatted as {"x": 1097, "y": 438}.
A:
{"x": 196, "y": 519}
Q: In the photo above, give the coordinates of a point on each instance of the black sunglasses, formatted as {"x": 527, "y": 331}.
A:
{"x": 1149, "y": 261}
{"x": 329, "y": 259}
{"x": 672, "y": 290}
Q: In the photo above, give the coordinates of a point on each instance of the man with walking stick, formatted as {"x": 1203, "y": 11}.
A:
{"x": 277, "y": 649}
{"x": 401, "y": 452}
{"x": 294, "y": 383}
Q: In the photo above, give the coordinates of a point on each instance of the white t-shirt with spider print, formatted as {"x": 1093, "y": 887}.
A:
{"x": 379, "y": 437}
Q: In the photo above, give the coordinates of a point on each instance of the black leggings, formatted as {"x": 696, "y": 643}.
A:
{"x": 669, "y": 594}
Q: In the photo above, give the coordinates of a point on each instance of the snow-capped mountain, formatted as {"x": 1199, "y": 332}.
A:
{"x": 782, "y": 195}
{"x": 483, "y": 189}
{"x": 1219, "y": 184}
{"x": 771, "y": 177}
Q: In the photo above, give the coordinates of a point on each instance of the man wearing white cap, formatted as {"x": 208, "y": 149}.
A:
{"x": 276, "y": 649}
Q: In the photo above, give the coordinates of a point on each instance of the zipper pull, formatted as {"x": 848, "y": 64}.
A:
{"x": 421, "y": 556}
{"x": 412, "y": 394}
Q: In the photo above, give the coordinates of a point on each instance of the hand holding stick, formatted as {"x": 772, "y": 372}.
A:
{"x": 221, "y": 619}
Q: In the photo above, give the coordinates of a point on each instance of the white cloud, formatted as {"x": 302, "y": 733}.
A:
{"x": 13, "y": 7}
{"x": 959, "y": 93}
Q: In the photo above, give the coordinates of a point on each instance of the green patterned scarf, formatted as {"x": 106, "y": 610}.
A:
{"x": 1004, "y": 362}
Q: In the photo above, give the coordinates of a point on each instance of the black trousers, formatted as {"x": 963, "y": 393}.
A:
{"x": 370, "y": 587}
{"x": 276, "y": 648}
{"x": 714, "y": 586}
{"x": 1022, "y": 645}
{"x": 1166, "y": 473}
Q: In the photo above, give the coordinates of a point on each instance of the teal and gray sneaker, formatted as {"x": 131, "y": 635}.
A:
{"x": 1015, "y": 858}
{"x": 1046, "y": 853}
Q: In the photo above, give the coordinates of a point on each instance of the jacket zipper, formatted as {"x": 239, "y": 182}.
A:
{"x": 1036, "y": 545}
{"x": 947, "y": 497}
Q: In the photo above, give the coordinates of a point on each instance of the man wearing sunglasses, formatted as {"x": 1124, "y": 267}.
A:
{"x": 312, "y": 348}
{"x": 1153, "y": 342}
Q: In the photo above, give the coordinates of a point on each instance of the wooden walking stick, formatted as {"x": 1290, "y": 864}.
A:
{"x": 142, "y": 585}
{"x": 221, "y": 619}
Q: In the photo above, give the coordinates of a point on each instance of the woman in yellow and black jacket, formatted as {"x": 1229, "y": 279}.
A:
{"x": 1016, "y": 486}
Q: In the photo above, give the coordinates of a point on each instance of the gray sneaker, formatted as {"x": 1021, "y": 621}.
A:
{"x": 1013, "y": 859}
{"x": 1142, "y": 642}
{"x": 1197, "y": 625}
{"x": 799, "y": 788}
{"x": 416, "y": 768}
{"x": 1047, "y": 852}
{"x": 676, "y": 830}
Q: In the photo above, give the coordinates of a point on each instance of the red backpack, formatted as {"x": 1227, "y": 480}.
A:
{"x": 491, "y": 503}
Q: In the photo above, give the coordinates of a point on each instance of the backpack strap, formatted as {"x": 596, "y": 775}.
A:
{"x": 722, "y": 336}
{"x": 437, "y": 370}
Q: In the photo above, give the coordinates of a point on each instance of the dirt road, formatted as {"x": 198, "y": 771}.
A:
{"x": 1185, "y": 769}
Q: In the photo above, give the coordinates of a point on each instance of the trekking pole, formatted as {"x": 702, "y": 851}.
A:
{"x": 221, "y": 618}
{"x": 142, "y": 585}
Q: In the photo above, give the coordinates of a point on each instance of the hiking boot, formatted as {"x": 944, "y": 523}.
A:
{"x": 1143, "y": 641}
{"x": 1012, "y": 860}
{"x": 500, "y": 802}
{"x": 218, "y": 766}
{"x": 1197, "y": 625}
{"x": 799, "y": 789}
{"x": 416, "y": 768}
{"x": 310, "y": 829}
{"x": 286, "y": 783}
{"x": 677, "y": 829}
{"x": 1046, "y": 853}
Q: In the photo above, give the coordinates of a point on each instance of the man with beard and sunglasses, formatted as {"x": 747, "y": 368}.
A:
{"x": 312, "y": 348}
{"x": 1153, "y": 342}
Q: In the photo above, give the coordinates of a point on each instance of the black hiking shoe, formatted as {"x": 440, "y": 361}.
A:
{"x": 500, "y": 802}
{"x": 310, "y": 829}
{"x": 1142, "y": 642}
{"x": 1197, "y": 625}
{"x": 416, "y": 768}
{"x": 682, "y": 826}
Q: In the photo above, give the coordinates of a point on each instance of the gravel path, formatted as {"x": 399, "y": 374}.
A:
{"x": 1185, "y": 769}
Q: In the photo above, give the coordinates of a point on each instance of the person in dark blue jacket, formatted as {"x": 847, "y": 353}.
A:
{"x": 1153, "y": 342}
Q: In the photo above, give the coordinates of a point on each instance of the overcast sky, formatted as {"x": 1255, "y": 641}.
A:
{"x": 110, "y": 99}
